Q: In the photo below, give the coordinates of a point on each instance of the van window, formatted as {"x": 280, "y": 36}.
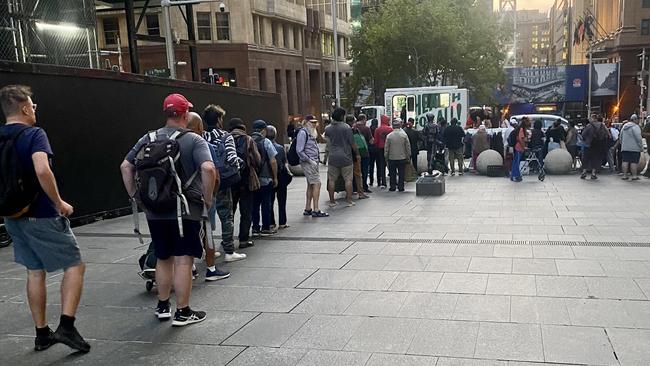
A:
{"x": 434, "y": 101}
{"x": 399, "y": 102}
{"x": 369, "y": 112}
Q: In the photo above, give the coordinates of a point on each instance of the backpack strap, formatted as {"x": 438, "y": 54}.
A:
{"x": 152, "y": 136}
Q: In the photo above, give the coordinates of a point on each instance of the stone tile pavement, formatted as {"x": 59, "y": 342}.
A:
{"x": 491, "y": 273}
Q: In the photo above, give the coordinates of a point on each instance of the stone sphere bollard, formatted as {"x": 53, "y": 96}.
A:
{"x": 558, "y": 162}
{"x": 487, "y": 158}
{"x": 643, "y": 161}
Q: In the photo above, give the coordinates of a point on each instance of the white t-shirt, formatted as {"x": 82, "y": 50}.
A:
{"x": 615, "y": 132}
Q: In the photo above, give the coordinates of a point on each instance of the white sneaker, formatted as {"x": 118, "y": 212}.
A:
{"x": 217, "y": 254}
{"x": 234, "y": 257}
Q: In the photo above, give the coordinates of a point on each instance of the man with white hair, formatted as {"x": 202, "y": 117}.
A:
{"x": 397, "y": 152}
{"x": 307, "y": 150}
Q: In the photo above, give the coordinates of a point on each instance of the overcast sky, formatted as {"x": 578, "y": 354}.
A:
{"x": 543, "y": 5}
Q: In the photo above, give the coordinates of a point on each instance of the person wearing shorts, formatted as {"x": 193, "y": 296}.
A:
{"x": 631, "y": 148}
{"x": 340, "y": 163}
{"x": 307, "y": 150}
{"x": 43, "y": 241}
{"x": 176, "y": 252}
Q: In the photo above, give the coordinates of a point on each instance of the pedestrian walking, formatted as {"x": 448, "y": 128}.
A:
{"x": 341, "y": 147}
{"x": 397, "y": 153}
{"x": 521, "y": 144}
{"x": 175, "y": 244}
{"x": 36, "y": 218}
{"x": 453, "y": 136}
{"x": 594, "y": 137}
{"x": 242, "y": 192}
{"x": 631, "y": 148}
{"x": 217, "y": 137}
{"x": 195, "y": 124}
{"x": 307, "y": 150}
{"x": 380, "y": 141}
{"x": 268, "y": 177}
{"x": 284, "y": 179}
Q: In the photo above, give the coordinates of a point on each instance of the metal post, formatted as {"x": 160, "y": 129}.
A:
{"x": 642, "y": 82}
{"x": 336, "y": 52}
{"x": 169, "y": 44}
{"x": 589, "y": 54}
{"x": 131, "y": 31}
{"x": 194, "y": 64}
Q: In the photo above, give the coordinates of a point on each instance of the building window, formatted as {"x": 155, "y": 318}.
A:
{"x": 256, "y": 30}
{"x": 646, "y": 3}
{"x": 204, "y": 26}
{"x": 111, "y": 30}
{"x": 645, "y": 27}
{"x": 153, "y": 27}
{"x": 223, "y": 26}
{"x": 261, "y": 75}
{"x": 274, "y": 34}
{"x": 296, "y": 37}
{"x": 286, "y": 31}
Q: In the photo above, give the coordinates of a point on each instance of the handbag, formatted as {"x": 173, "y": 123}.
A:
{"x": 284, "y": 178}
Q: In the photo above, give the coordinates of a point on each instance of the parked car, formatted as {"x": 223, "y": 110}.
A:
{"x": 5, "y": 239}
{"x": 547, "y": 120}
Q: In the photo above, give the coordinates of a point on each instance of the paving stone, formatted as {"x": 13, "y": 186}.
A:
{"x": 385, "y": 359}
{"x": 538, "y": 310}
{"x": 400, "y": 248}
{"x": 490, "y": 265}
{"x": 593, "y": 252}
{"x": 506, "y": 284}
{"x": 632, "y": 254}
{"x": 428, "y": 306}
{"x": 371, "y": 280}
{"x": 328, "y": 278}
{"x": 268, "y": 356}
{"x": 561, "y": 286}
{"x": 552, "y": 251}
{"x": 290, "y": 260}
{"x": 325, "y": 332}
{"x": 577, "y": 345}
{"x": 444, "y": 361}
{"x": 600, "y": 313}
{"x": 616, "y": 268}
{"x": 448, "y": 264}
{"x": 630, "y": 345}
{"x": 474, "y": 250}
{"x": 375, "y": 303}
{"x": 267, "y": 277}
{"x": 368, "y": 262}
{"x": 332, "y": 302}
{"x": 579, "y": 267}
{"x": 513, "y": 251}
{"x": 482, "y": 308}
{"x": 445, "y": 338}
{"x": 508, "y": 341}
{"x": 267, "y": 329}
{"x": 644, "y": 284}
{"x": 388, "y": 335}
{"x": 534, "y": 266}
{"x": 639, "y": 311}
{"x": 472, "y": 283}
{"x": 365, "y": 248}
{"x": 407, "y": 263}
{"x": 334, "y": 358}
{"x": 614, "y": 288}
{"x": 314, "y": 247}
{"x": 444, "y": 250}
{"x": 416, "y": 281}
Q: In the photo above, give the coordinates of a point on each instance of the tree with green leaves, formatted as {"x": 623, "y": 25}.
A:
{"x": 427, "y": 42}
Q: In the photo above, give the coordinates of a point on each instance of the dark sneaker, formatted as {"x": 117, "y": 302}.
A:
{"x": 191, "y": 317}
{"x": 44, "y": 342}
{"x": 268, "y": 232}
{"x": 195, "y": 273}
{"x": 72, "y": 339}
{"x": 215, "y": 275}
{"x": 163, "y": 312}
{"x": 256, "y": 232}
{"x": 246, "y": 244}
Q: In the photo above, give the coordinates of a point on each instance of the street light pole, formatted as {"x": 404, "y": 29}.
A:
{"x": 337, "y": 88}
{"x": 169, "y": 44}
{"x": 643, "y": 54}
{"x": 590, "y": 55}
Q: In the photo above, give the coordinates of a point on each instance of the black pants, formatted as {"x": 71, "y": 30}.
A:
{"x": 381, "y": 167}
{"x": 371, "y": 163}
{"x": 414, "y": 160}
{"x": 396, "y": 170}
{"x": 263, "y": 202}
{"x": 281, "y": 195}
{"x": 244, "y": 198}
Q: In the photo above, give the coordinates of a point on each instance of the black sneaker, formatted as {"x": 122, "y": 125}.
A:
{"x": 256, "y": 232}
{"x": 163, "y": 312}
{"x": 269, "y": 232}
{"x": 246, "y": 244}
{"x": 44, "y": 342}
{"x": 215, "y": 275}
{"x": 191, "y": 317}
{"x": 72, "y": 339}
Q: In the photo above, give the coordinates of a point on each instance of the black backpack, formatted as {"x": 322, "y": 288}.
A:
{"x": 158, "y": 174}
{"x": 292, "y": 156}
{"x": 512, "y": 138}
{"x": 18, "y": 188}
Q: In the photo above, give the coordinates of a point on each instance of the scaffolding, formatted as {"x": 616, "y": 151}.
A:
{"x": 508, "y": 16}
{"x": 49, "y": 32}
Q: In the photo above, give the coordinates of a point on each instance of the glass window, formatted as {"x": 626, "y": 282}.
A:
{"x": 645, "y": 27}
{"x": 223, "y": 26}
{"x": 204, "y": 26}
{"x": 646, "y": 3}
{"x": 153, "y": 27}
{"x": 399, "y": 102}
{"x": 111, "y": 30}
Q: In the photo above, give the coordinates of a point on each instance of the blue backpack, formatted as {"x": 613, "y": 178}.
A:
{"x": 228, "y": 174}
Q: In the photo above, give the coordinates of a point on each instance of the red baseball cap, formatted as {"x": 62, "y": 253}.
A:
{"x": 176, "y": 104}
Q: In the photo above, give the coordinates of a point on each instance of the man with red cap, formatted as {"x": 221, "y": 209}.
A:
{"x": 176, "y": 239}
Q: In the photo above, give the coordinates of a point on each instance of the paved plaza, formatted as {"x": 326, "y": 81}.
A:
{"x": 491, "y": 273}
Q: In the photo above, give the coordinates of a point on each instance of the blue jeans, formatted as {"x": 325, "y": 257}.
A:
{"x": 516, "y": 160}
{"x": 263, "y": 200}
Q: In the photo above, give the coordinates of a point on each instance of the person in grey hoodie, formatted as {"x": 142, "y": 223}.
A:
{"x": 631, "y": 147}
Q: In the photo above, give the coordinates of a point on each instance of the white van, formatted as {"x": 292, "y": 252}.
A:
{"x": 444, "y": 101}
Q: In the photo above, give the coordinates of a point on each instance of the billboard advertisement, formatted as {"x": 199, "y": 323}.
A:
{"x": 604, "y": 80}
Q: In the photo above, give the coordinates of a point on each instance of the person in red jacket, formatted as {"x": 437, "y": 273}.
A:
{"x": 380, "y": 141}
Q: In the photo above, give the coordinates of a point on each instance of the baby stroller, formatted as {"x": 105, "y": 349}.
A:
{"x": 533, "y": 163}
{"x": 438, "y": 161}
{"x": 147, "y": 272}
